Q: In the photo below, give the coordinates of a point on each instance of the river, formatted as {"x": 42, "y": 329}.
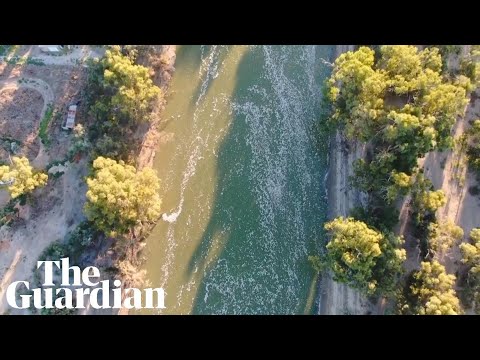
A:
{"x": 242, "y": 165}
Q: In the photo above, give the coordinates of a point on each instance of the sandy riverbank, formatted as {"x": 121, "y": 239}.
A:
{"x": 336, "y": 298}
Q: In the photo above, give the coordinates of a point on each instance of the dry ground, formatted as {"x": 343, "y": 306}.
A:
{"x": 25, "y": 91}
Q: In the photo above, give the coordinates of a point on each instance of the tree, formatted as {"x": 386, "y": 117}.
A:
{"x": 473, "y": 152}
{"x": 434, "y": 291}
{"x": 471, "y": 252}
{"x": 401, "y": 184}
{"x": 403, "y": 108}
{"x": 20, "y": 178}
{"x": 120, "y": 197}
{"x": 357, "y": 91}
{"x": 410, "y": 136}
{"x": 389, "y": 266}
{"x": 470, "y": 66}
{"x": 353, "y": 252}
{"x": 443, "y": 236}
{"x": 426, "y": 200}
{"x": 431, "y": 200}
{"x": 403, "y": 65}
{"x": 373, "y": 176}
{"x": 445, "y": 102}
{"x": 400, "y": 104}
{"x": 132, "y": 86}
{"x": 431, "y": 59}
{"x": 471, "y": 257}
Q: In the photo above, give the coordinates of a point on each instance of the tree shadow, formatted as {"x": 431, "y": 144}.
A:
{"x": 207, "y": 76}
{"x": 234, "y": 206}
{"x": 232, "y": 251}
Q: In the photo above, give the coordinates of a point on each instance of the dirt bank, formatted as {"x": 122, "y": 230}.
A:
{"x": 162, "y": 68}
{"x": 336, "y": 298}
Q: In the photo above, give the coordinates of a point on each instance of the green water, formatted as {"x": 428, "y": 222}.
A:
{"x": 242, "y": 172}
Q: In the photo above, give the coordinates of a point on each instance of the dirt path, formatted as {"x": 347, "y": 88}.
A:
{"x": 22, "y": 244}
{"x": 78, "y": 55}
{"x": 26, "y": 241}
{"x": 37, "y": 84}
{"x": 337, "y": 298}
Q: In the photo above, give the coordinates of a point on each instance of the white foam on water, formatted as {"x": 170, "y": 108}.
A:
{"x": 280, "y": 175}
{"x": 171, "y": 218}
{"x": 188, "y": 173}
{"x": 210, "y": 68}
{"x": 262, "y": 273}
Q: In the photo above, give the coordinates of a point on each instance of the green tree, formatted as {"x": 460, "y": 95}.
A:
{"x": 431, "y": 200}
{"x": 434, "y": 291}
{"x": 431, "y": 59}
{"x": 425, "y": 199}
{"x": 353, "y": 252}
{"x": 473, "y": 152}
{"x": 20, "y": 178}
{"x": 471, "y": 257}
{"x": 403, "y": 65}
{"x": 357, "y": 91}
{"x": 401, "y": 184}
{"x": 470, "y": 66}
{"x": 120, "y": 197}
{"x": 133, "y": 89}
{"x": 445, "y": 102}
{"x": 403, "y": 108}
{"x": 441, "y": 237}
{"x": 389, "y": 266}
{"x": 410, "y": 136}
{"x": 372, "y": 176}
{"x": 471, "y": 252}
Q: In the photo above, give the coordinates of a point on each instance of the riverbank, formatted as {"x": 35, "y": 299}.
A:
{"x": 152, "y": 135}
{"x": 336, "y": 298}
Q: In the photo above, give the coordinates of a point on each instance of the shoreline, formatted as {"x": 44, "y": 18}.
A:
{"x": 336, "y": 298}
{"x": 152, "y": 136}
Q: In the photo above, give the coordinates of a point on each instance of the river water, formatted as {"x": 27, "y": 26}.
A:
{"x": 242, "y": 165}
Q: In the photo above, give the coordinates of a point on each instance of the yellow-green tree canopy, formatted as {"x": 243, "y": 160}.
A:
{"x": 471, "y": 257}
{"x": 434, "y": 290}
{"x": 432, "y": 200}
{"x": 133, "y": 87}
{"x": 425, "y": 200}
{"x": 119, "y": 196}
{"x": 353, "y": 252}
{"x": 473, "y": 151}
{"x": 426, "y": 105}
{"x": 431, "y": 59}
{"x": 470, "y": 66}
{"x": 405, "y": 126}
{"x": 471, "y": 252}
{"x": 401, "y": 183}
{"x": 445, "y": 102}
{"x": 442, "y": 236}
{"x": 358, "y": 90}
{"x": 403, "y": 65}
{"x": 20, "y": 178}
